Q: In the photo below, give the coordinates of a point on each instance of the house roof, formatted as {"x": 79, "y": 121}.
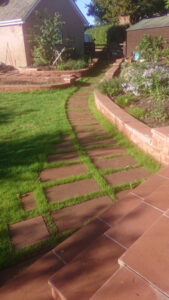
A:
{"x": 14, "y": 12}
{"x": 151, "y": 23}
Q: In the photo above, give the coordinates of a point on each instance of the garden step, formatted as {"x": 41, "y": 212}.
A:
{"x": 68, "y": 156}
{"x": 148, "y": 256}
{"x": 74, "y": 216}
{"x": 129, "y": 228}
{"x": 82, "y": 277}
{"x": 115, "y": 162}
{"x": 100, "y": 152}
{"x": 32, "y": 282}
{"x": 127, "y": 285}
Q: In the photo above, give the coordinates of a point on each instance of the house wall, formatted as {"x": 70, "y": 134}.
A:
{"x": 12, "y": 48}
{"x": 134, "y": 36}
{"x": 72, "y": 30}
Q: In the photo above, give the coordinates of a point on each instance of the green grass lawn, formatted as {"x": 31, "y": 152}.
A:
{"x": 30, "y": 123}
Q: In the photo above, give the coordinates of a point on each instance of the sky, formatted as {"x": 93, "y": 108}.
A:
{"x": 82, "y": 5}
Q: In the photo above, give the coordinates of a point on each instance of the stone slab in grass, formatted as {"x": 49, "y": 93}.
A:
{"x": 62, "y": 172}
{"x": 74, "y": 216}
{"x": 92, "y": 135}
{"x": 67, "y": 156}
{"x": 128, "y": 176}
{"x": 89, "y": 128}
{"x": 28, "y": 201}
{"x": 101, "y": 152}
{"x": 28, "y": 232}
{"x": 115, "y": 162}
{"x": 84, "y": 122}
{"x": 64, "y": 146}
{"x": 78, "y": 188}
{"x": 97, "y": 142}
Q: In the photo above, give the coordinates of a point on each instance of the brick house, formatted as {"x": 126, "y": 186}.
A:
{"x": 157, "y": 26}
{"x": 17, "y": 18}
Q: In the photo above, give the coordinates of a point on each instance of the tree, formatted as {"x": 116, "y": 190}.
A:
{"x": 46, "y": 37}
{"x": 110, "y": 10}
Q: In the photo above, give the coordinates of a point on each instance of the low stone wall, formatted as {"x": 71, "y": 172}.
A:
{"x": 154, "y": 141}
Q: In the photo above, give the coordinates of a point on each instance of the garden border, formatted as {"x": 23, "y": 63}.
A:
{"x": 154, "y": 141}
{"x": 68, "y": 78}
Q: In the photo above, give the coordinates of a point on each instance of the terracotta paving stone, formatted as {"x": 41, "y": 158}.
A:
{"x": 164, "y": 172}
{"x": 85, "y": 122}
{"x": 149, "y": 255}
{"x": 88, "y": 128}
{"x": 28, "y": 201}
{"x": 160, "y": 197}
{"x": 92, "y": 135}
{"x": 118, "y": 210}
{"x": 88, "y": 271}
{"x": 28, "y": 232}
{"x": 64, "y": 146}
{"x": 127, "y": 285}
{"x": 127, "y": 176}
{"x": 74, "y": 216}
{"x": 133, "y": 225}
{"x": 115, "y": 162}
{"x": 80, "y": 240}
{"x": 32, "y": 283}
{"x": 149, "y": 186}
{"x": 121, "y": 195}
{"x": 62, "y": 172}
{"x": 72, "y": 189}
{"x": 100, "y": 152}
{"x": 98, "y": 142}
{"x": 68, "y": 156}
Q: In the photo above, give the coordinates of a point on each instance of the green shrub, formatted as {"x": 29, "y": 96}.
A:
{"x": 165, "y": 55}
{"x": 137, "y": 112}
{"x": 150, "y": 47}
{"x": 73, "y": 65}
{"x": 107, "y": 34}
{"x": 111, "y": 87}
{"x": 124, "y": 100}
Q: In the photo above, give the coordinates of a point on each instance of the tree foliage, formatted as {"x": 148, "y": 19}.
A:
{"x": 46, "y": 37}
{"x": 110, "y": 10}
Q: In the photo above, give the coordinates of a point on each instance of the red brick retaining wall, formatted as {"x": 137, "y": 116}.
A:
{"x": 154, "y": 141}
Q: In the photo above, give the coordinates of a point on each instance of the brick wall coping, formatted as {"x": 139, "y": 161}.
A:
{"x": 154, "y": 141}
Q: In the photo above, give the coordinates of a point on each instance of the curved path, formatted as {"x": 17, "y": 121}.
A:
{"x": 84, "y": 264}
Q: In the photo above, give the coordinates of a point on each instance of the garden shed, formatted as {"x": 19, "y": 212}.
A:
{"x": 157, "y": 26}
{"x": 18, "y": 17}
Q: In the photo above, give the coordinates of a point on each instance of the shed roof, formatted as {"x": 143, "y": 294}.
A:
{"x": 16, "y": 11}
{"x": 151, "y": 23}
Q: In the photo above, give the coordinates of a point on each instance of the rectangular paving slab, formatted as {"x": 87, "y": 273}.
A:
{"x": 100, "y": 152}
{"x": 28, "y": 201}
{"x": 133, "y": 225}
{"x": 62, "y": 172}
{"x": 127, "y": 176}
{"x": 115, "y": 162}
{"x": 72, "y": 189}
{"x": 28, "y": 232}
{"x": 88, "y": 271}
{"x": 74, "y": 216}
{"x": 68, "y": 156}
{"x": 149, "y": 255}
{"x": 120, "y": 209}
{"x": 160, "y": 197}
{"x": 80, "y": 240}
{"x": 97, "y": 142}
{"x": 127, "y": 285}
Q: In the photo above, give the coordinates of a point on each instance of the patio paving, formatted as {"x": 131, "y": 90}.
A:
{"x": 28, "y": 201}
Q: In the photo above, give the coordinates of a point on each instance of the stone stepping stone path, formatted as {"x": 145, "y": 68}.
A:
{"x": 99, "y": 146}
